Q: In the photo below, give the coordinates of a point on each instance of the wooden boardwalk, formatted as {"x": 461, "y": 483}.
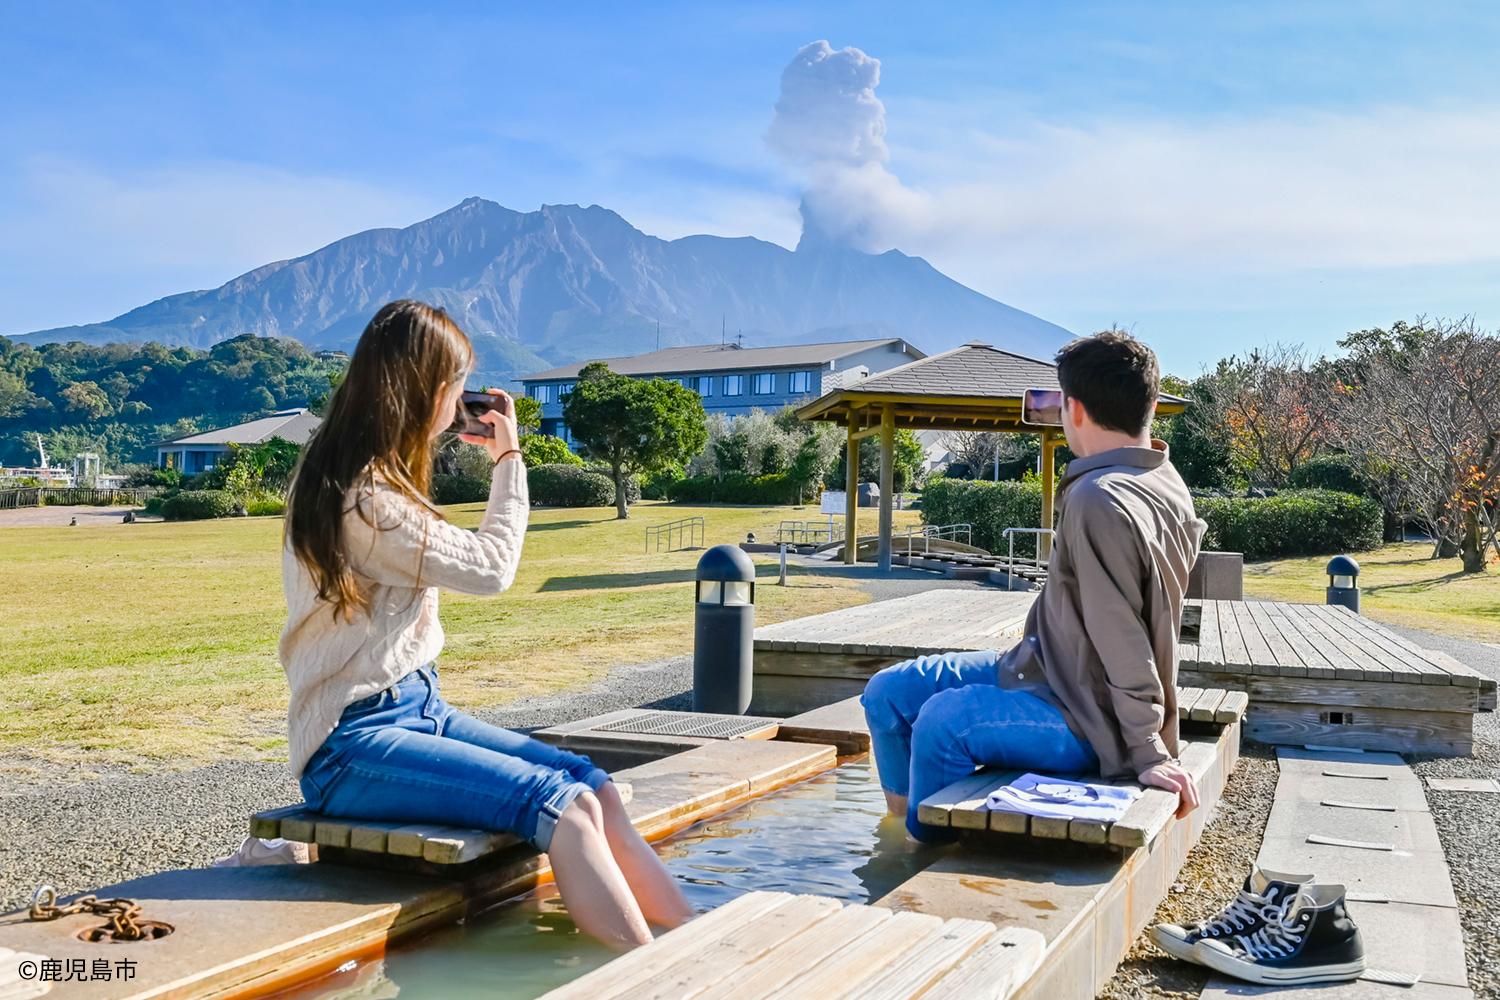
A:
{"x": 1325, "y": 675}
{"x": 934, "y": 621}
{"x": 1314, "y": 674}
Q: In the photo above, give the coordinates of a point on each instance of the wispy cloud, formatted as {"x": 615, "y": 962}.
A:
{"x": 1382, "y": 188}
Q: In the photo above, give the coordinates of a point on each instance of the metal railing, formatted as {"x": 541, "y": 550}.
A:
{"x": 1009, "y": 534}
{"x": 36, "y": 496}
{"x": 688, "y": 532}
{"x": 928, "y": 532}
{"x": 808, "y": 532}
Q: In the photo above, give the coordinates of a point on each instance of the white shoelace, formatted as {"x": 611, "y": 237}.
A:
{"x": 1279, "y": 938}
{"x": 1242, "y": 912}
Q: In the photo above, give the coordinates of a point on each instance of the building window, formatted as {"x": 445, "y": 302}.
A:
{"x": 734, "y": 385}
{"x": 800, "y": 382}
{"x": 542, "y": 393}
{"x": 763, "y": 384}
{"x": 565, "y": 390}
{"x": 704, "y": 384}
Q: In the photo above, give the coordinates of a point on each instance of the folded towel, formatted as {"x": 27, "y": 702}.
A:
{"x": 1059, "y": 798}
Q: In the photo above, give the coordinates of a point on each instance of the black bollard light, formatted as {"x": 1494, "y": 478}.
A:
{"x": 1343, "y": 582}
{"x": 724, "y": 631}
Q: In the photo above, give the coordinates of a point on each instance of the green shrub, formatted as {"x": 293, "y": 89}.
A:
{"x": 460, "y": 489}
{"x": 989, "y": 506}
{"x": 569, "y": 486}
{"x": 265, "y": 505}
{"x": 632, "y": 485}
{"x": 657, "y": 485}
{"x": 154, "y": 504}
{"x": 1291, "y": 523}
{"x": 197, "y": 505}
{"x": 736, "y": 487}
{"x": 544, "y": 449}
{"x": 1331, "y": 472}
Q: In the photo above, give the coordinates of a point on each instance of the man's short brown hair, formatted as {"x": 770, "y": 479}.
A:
{"x": 1114, "y": 376}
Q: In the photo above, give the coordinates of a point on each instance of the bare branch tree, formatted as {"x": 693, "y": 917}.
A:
{"x": 1275, "y": 408}
{"x": 1423, "y": 400}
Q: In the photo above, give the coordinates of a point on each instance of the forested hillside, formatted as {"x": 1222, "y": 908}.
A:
{"x": 118, "y": 399}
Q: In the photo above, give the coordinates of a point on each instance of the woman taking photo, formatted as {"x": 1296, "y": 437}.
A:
{"x": 366, "y": 551}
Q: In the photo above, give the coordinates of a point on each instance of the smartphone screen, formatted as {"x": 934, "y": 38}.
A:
{"x": 470, "y": 406}
{"x": 1042, "y": 407}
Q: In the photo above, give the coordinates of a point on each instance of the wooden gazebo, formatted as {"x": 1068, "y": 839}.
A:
{"x": 975, "y": 387}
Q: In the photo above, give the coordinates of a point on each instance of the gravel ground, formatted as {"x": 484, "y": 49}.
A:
{"x": 1211, "y": 876}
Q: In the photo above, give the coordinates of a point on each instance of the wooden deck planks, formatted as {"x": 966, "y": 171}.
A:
{"x": 926, "y": 622}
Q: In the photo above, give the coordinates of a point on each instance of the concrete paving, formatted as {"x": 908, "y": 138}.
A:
{"x": 1391, "y": 856}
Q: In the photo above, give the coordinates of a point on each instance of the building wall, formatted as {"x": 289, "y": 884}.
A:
{"x": 818, "y": 380}
{"x": 191, "y": 459}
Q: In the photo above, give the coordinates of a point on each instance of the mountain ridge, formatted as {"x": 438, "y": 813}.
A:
{"x": 566, "y": 283}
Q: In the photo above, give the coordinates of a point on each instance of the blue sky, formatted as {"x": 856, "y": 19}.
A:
{"x": 1211, "y": 176}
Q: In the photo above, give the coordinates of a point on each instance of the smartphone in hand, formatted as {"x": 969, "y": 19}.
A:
{"x": 1042, "y": 407}
{"x": 471, "y": 405}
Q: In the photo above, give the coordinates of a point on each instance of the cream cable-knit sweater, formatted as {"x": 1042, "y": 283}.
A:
{"x": 400, "y": 562}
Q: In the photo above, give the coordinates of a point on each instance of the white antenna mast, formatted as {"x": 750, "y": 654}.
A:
{"x": 41, "y": 452}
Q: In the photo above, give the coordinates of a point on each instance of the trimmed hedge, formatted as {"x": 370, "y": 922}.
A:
{"x": 1291, "y": 523}
{"x": 1331, "y": 472}
{"x": 989, "y": 506}
{"x": 570, "y": 486}
{"x": 735, "y": 487}
{"x": 460, "y": 489}
{"x": 198, "y": 505}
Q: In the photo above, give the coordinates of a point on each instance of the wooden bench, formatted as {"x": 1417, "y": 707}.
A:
{"x": 439, "y": 845}
{"x": 773, "y": 944}
{"x": 963, "y": 804}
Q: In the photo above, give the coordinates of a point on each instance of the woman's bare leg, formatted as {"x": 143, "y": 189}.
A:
{"x": 592, "y": 885}
{"x": 655, "y": 889}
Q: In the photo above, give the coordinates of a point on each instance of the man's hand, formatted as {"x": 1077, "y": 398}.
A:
{"x": 1174, "y": 779}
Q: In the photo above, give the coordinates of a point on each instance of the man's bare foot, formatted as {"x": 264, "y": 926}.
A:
{"x": 895, "y": 803}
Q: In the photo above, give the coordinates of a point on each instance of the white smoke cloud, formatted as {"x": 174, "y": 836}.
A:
{"x": 830, "y": 127}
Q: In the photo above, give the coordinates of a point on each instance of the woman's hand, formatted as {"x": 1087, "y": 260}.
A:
{"x": 503, "y": 418}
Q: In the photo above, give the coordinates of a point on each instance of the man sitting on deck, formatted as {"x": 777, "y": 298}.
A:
{"x": 1091, "y": 687}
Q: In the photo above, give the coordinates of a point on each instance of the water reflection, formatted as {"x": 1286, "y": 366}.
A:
{"x": 828, "y": 835}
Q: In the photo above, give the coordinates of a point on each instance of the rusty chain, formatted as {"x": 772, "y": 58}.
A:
{"x": 124, "y": 914}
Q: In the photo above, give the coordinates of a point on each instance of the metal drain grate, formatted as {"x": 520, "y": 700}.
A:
{"x": 699, "y": 724}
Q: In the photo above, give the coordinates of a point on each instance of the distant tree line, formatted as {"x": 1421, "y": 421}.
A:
{"x": 118, "y": 399}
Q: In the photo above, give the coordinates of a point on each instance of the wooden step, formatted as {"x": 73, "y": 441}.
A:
{"x": 773, "y": 944}
{"x": 442, "y": 845}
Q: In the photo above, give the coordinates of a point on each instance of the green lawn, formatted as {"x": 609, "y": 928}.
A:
{"x": 156, "y": 643}
{"x": 1398, "y": 584}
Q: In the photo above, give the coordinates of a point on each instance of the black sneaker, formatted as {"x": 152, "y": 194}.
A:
{"x": 1264, "y": 896}
{"x": 1314, "y": 941}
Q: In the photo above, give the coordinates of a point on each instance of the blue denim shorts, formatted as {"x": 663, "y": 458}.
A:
{"x": 404, "y": 755}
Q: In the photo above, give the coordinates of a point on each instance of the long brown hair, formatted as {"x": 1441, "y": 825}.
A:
{"x": 379, "y": 423}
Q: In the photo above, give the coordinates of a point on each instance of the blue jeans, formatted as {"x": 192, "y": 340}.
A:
{"x": 404, "y": 755}
{"x": 934, "y": 719}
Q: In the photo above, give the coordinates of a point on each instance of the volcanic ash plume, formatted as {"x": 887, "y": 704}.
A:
{"x": 830, "y": 126}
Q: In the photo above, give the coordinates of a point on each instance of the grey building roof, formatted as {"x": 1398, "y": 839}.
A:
{"x": 726, "y": 357}
{"x": 295, "y": 426}
{"x": 974, "y": 369}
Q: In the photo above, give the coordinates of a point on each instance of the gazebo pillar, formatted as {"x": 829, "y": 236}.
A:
{"x": 851, "y": 488}
{"x": 1049, "y": 463}
{"x": 887, "y": 481}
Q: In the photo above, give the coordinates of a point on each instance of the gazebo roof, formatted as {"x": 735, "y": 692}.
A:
{"x": 973, "y": 387}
